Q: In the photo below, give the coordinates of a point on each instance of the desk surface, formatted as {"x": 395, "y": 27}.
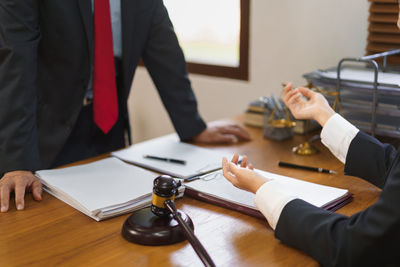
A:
{"x": 52, "y": 233}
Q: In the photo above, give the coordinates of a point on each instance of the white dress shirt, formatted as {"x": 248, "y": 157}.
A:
{"x": 336, "y": 135}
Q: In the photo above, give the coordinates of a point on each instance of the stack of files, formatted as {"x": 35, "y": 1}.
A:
{"x": 356, "y": 96}
{"x": 102, "y": 189}
{"x": 215, "y": 189}
{"x": 362, "y": 75}
{"x": 198, "y": 160}
{"x": 356, "y": 78}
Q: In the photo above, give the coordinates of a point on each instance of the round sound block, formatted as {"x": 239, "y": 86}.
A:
{"x": 145, "y": 228}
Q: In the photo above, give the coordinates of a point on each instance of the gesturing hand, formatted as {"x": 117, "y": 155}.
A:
{"x": 19, "y": 182}
{"x": 243, "y": 177}
{"x": 314, "y": 107}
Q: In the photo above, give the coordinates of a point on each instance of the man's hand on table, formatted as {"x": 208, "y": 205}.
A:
{"x": 222, "y": 132}
{"x": 19, "y": 182}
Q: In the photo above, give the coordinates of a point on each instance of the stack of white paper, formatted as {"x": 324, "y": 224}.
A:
{"x": 101, "y": 189}
{"x": 198, "y": 160}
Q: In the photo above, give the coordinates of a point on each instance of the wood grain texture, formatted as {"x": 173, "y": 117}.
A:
{"x": 50, "y": 232}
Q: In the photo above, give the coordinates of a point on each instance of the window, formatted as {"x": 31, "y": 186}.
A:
{"x": 213, "y": 34}
{"x": 383, "y": 33}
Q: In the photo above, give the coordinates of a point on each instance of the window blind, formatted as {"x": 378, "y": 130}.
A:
{"x": 383, "y": 33}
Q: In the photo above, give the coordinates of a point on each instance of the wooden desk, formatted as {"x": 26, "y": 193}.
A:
{"x": 52, "y": 233}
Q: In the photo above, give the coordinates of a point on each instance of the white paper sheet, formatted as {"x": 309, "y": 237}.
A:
{"x": 101, "y": 186}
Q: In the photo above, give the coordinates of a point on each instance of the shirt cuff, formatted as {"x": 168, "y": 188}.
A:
{"x": 337, "y": 135}
{"x": 270, "y": 199}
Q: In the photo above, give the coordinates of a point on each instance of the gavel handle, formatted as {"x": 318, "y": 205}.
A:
{"x": 197, "y": 246}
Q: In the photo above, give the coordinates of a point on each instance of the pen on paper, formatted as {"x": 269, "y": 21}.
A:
{"x": 178, "y": 161}
{"x": 309, "y": 168}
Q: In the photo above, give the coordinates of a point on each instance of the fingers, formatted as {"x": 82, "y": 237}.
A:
{"x": 37, "y": 189}
{"x": 288, "y": 87}
{"x": 5, "y": 197}
{"x": 294, "y": 98}
{"x": 306, "y": 92}
{"x": 287, "y": 90}
{"x": 288, "y": 97}
{"x": 226, "y": 171}
{"x": 222, "y": 132}
{"x": 243, "y": 164}
{"x": 19, "y": 190}
{"x": 226, "y": 138}
{"x": 235, "y": 158}
{"x": 225, "y": 166}
{"x": 235, "y": 130}
{"x": 233, "y": 168}
{"x": 19, "y": 182}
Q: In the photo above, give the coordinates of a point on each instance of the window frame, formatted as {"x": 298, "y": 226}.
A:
{"x": 242, "y": 71}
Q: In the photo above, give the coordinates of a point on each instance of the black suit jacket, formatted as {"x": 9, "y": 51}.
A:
{"x": 46, "y": 50}
{"x": 368, "y": 238}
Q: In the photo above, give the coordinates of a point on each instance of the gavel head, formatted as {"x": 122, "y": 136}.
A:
{"x": 164, "y": 188}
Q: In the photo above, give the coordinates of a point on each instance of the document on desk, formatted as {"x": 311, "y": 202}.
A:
{"x": 215, "y": 189}
{"x": 102, "y": 189}
{"x": 197, "y": 160}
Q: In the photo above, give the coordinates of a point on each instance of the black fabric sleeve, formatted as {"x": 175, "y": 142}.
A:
{"x": 166, "y": 64}
{"x": 369, "y": 159}
{"x": 19, "y": 39}
{"x": 367, "y": 238}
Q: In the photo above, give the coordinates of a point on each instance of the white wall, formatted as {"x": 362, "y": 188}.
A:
{"x": 287, "y": 39}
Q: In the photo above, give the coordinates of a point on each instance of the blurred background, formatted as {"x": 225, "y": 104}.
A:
{"x": 286, "y": 40}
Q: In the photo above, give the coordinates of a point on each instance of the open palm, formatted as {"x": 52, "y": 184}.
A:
{"x": 306, "y": 104}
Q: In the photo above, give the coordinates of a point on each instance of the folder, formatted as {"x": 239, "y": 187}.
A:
{"x": 215, "y": 189}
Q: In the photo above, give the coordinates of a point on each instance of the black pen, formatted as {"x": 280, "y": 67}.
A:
{"x": 315, "y": 169}
{"x": 178, "y": 161}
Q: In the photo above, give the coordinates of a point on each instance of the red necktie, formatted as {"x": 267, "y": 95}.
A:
{"x": 105, "y": 102}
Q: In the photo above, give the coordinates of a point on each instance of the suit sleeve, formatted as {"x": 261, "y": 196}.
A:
{"x": 19, "y": 39}
{"x": 369, "y": 159}
{"x": 368, "y": 238}
{"x": 166, "y": 64}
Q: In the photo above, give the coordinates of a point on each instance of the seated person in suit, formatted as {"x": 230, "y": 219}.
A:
{"x": 367, "y": 238}
{"x": 57, "y": 56}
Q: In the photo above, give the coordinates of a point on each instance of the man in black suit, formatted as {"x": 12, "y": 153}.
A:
{"x": 48, "y": 76}
{"x": 367, "y": 238}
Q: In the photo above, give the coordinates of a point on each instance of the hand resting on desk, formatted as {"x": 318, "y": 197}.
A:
{"x": 19, "y": 182}
{"x": 222, "y": 132}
